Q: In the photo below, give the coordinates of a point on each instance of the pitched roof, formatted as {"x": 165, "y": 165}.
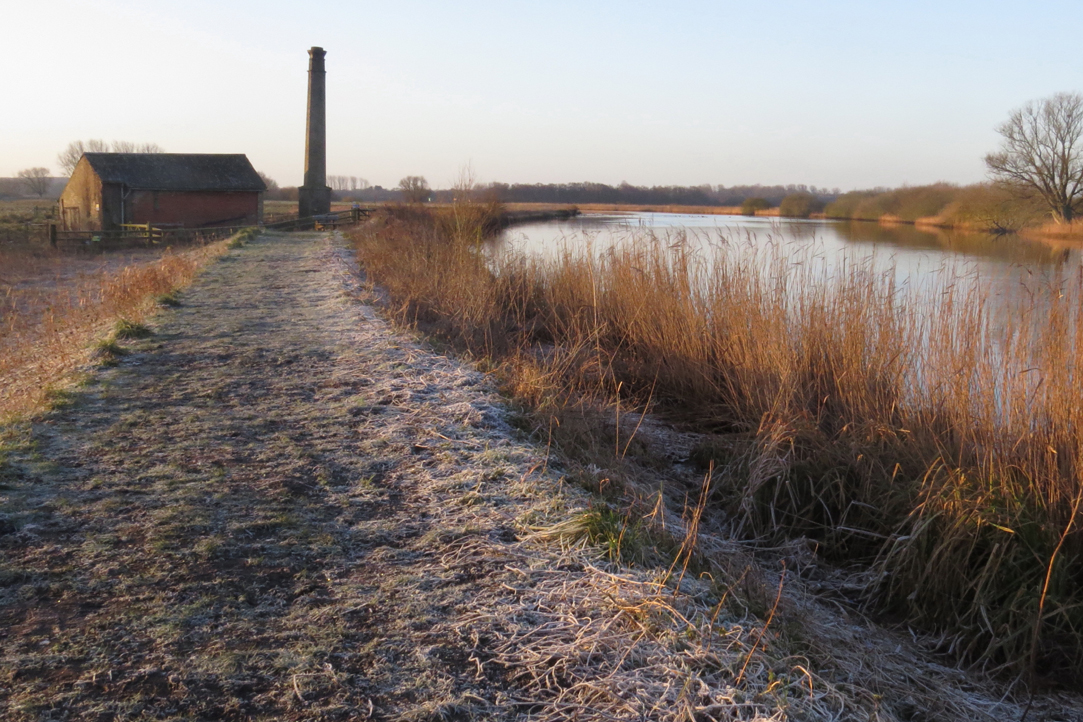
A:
{"x": 177, "y": 171}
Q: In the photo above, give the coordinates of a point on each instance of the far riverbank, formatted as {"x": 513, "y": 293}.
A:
{"x": 1041, "y": 232}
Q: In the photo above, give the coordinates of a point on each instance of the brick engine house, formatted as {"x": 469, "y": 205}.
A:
{"x": 175, "y": 190}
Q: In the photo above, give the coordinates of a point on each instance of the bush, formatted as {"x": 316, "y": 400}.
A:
{"x": 800, "y": 205}
{"x": 751, "y": 205}
{"x": 906, "y": 204}
{"x": 993, "y": 207}
{"x": 845, "y": 206}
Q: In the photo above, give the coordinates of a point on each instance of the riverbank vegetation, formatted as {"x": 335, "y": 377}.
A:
{"x": 800, "y": 205}
{"x": 1037, "y": 181}
{"x": 751, "y": 205}
{"x": 990, "y": 207}
{"x": 917, "y": 438}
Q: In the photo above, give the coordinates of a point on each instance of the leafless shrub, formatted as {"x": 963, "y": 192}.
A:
{"x": 35, "y": 180}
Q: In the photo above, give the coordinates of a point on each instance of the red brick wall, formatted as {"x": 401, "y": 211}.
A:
{"x": 192, "y": 209}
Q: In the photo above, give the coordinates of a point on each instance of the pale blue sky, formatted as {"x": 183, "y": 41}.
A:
{"x": 847, "y": 94}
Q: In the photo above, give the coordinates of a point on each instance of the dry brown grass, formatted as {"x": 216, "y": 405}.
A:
{"x": 55, "y": 306}
{"x": 927, "y": 437}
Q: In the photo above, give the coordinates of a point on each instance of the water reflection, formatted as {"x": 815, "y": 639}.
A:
{"x": 914, "y": 256}
{"x": 866, "y": 238}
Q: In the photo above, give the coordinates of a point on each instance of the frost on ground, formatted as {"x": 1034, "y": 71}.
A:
{"x": 278, "y": 507}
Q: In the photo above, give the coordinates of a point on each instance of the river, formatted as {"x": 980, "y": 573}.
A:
{"x": 914, "y": 255}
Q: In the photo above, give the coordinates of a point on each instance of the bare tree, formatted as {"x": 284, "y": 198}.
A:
{"x": 1042, "y": 153}
{"x": 35, "y": 180}
{"x": 415, "y": 189}
{"x": 346, "y": 183}
{"x": 271, "y": 183}
{"x": 127, "y": 146}
{"x": 69, "y": 157}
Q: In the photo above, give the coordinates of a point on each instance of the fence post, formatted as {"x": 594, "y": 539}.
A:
{"x": 52, "y": 235}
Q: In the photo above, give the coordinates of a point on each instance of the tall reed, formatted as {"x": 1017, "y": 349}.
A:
{"x": 930, "y": 435}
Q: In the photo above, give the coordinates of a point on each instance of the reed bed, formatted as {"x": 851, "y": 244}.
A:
{"x": 54, "y": 307}
{"x": 930, "y": 437}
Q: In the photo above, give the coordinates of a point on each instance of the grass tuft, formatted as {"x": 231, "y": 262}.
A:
{"x": 108, "y": 352}
{"x": 241, "y": 238}
{"x": 170, "y": 299}
{"x": 126, "y": 329}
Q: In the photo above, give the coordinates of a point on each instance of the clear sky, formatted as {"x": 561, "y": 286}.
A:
{"x": 833, "y": 94}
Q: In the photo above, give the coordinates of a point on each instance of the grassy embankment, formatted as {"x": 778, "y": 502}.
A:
{"x": 918, "y": 439}
{"x": 58, "y": 308}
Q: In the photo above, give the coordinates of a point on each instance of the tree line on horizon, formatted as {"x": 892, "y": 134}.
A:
{"x": 628, "y": 194}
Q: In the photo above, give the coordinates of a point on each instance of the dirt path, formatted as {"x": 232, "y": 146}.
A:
{"x": 273, "y": 508}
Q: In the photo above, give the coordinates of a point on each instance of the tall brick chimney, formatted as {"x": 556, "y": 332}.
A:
{"x": 314, "y": 195}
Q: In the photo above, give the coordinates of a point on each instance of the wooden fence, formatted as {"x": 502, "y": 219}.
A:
{"x": 320, "y": 222}
{"x": 137, "y": 236}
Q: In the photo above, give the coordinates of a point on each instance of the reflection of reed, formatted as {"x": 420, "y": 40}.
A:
{"x": 870, "y": 236}
{"x": 1013, "y": 249}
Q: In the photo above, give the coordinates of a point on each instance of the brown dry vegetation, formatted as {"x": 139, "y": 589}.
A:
{"x": 987, "y": 207}
{"x": 926, "y": 443}
{"x": 54, "y": 306}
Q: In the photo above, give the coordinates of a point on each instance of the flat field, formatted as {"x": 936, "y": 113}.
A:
{"x": 22, "y": 220}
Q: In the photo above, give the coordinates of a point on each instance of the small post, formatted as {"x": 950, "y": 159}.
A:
{"x": 52, "y": 235}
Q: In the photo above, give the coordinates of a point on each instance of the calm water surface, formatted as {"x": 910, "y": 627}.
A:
{"x": 913, "y": 255}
